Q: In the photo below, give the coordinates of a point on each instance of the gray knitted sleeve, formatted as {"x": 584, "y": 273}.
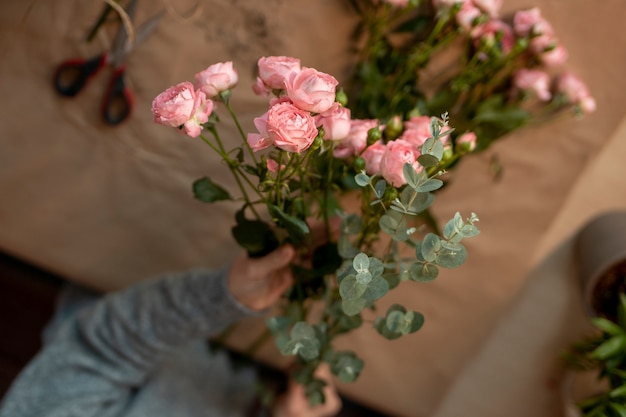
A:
{"x": 99, "y": 356}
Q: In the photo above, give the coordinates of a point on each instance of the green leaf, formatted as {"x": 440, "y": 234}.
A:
{"x": 411, "y": 176}
{"x": 609, "y": 348}
{"x": 431, "y": 185}
{"x": 618, "y": 392}
{"x": 362, "y": 179}
{"x": 351, "y": 289}
{"x": 433, "y": 147}
{"x": 417, "y": 321}
{"x": 384, "y": 331}
{"x": 376, "y": 289}
{"x": 351, "y": 224}
{"x": 361, "y": 262}
{"x": 395, "y": 321}
{"x": 618, "y": 408}
{"x": 207, "y": 191}
{"x": 278, "y": 324}
{"x": 379, "y": 188}
{"x": 448, "y": 258}
{"x": 345, "y": 248}
{"x": 297, "y": 229}
{"x": 607, "y": 326}
{"x": 255, "y": 236}
{"x": 423, "y": 272}
{"x": 354, "y": 306}
{"x": 347, "y": 366}
{"x": 394, "y": 224}
{"x": 430, "y": 246}
{"x": 427, "y": 160}
{"x": 302, "y": 330}
{"x": 393, "y": 279}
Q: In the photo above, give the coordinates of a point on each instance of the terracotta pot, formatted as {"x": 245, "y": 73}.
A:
{"x": 601, "y": 255}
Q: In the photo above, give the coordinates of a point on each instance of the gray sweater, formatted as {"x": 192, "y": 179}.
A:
{"x": 135, "y": 353}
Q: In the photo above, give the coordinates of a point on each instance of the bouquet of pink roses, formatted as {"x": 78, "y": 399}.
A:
{"x": 306, "y": 152}
{"x": 492, "y": 73}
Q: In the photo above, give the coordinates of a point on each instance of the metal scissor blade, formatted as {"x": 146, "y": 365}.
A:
{"x": 120, "y": 47}
{"x": 141, "y": 33}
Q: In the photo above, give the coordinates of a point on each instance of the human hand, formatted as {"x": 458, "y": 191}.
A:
{"x": 258, "y": 283}
{"x": 294, "y": 403}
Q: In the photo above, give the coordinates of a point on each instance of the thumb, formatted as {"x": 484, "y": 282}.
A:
{"x": 275, "y": 260}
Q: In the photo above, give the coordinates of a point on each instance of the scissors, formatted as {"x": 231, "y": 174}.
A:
{"x": 73, "y": 75}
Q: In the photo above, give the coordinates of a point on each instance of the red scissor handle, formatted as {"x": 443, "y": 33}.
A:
{"x": 117, "y": 103}
{"x": 72, "y": 75}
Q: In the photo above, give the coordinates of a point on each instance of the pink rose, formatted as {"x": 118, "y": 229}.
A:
{"x": 417, "y": 131}
{"x": 491, "y": 7}
{"x": 260, "y": 89}
{"x": 217, "y": 78}
{"x": 533, "y": 80}
{"x": 554, "y": 57}
{"x": 576, "y": 91}
{"x": 182, "y": 105}
{"x": 525, "y": 20}
{"x": 356, "y": 140}
{"x": 311, "y": 90}
{"x": 372, "y": 155}
{"x": 398, "y": 153}
{"x": 335, "y": 121}
{"x": 467, "y": 141}
{"x": 274, "y": 70}
{"x": 466, "y": 16}
{"x": 290, "y": 128}
{"x": 272, "y": 166}
{"x": 486, "y": 32}
{"x": 261, "y": 140}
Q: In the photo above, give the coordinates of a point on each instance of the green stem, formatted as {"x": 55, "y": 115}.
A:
{"x": 241, "y": 132}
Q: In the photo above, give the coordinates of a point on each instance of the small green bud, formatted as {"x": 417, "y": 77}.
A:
{"x": 447, "y": 154}
{"x": 374, "y": 135}
{"x": 359, "y": 164}
{"x": 316, "y": 143}
{"x": 391, "y": 194}
{"x": 414, "y": 113}
{"x": 341, "y": 97}
{"x": 393, "y": 128}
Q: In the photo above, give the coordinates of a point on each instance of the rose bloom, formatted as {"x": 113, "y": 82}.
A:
{"x": 311, "y": 90}
{"x": 467, "y": 141}
{"x": 274, "y": 70}
{"x": 576, "y": 91}
{"x": 372, "y": 156}
{"x": 217, "y": 78}
{"x": 491, "y": 7}
{"x": 554, "y": 57}
{"x": 525, "y": 20}
{"x": 335, "y": 121}
{"x": 182, "y": 105}
{"x": 533, "y": 80}
{"x": 356, "y": 140}
{"x": 466, "y": 15}
{"x": 417, "y": 131}
{"x": 290, "y": 128}
{"x": 487, "y": 32}
{"x": 398, "y": 153}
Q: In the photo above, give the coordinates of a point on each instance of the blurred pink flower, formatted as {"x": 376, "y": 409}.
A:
{"x": 274, "y": 70}
{"x": 467, "y": 142}
{"x": 398, "y": 153}
{"x": 335, "y": 121}
{"x": 576, "y": 91}
{"x": 182, "y": 105}
{"x": 356, "y": 140}
{"x": 533, "y": 80}
{"x": 272, "y": 166}
{"x": 525, "y": 20}
{"x": 466, "y": 15}
{"x": 417, "y": 131}
{"x": 311, "y": 90}
{"x": 487, "y": 32}
{"x": 372, "y": 156}
{"x": 554, "y": 57}
{"x": 491, "y": 7}
{"x": 217, "y": 78}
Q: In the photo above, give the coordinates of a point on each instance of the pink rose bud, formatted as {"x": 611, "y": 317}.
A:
{"x": 290, "y": 128}
{"x": 182, "y": 105}
{"x": 536, "y": 81}
{"x": 356, "y": 140}
{"x": 260, "y": 89}
{"x": 525, "y": 20}
{"x": 554, "y": 57}
{"x": 274, "y": 70}
{"x": 491, "y": 7}
{"x": 311, "y": 90}
{"x": 372, "y": 156}
{"x": 398, "y": 153}
{"x": 217, "y": 78}
{"x": 466, "y": 16}
{"x": 335, "y": 121}
{"x": 466, "y": 142}
{"x": 487, "y": 33}
{"x": 576, "y": 91}
{"x": 418, "y": 131}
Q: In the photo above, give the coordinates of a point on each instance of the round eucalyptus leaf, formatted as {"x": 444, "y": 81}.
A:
{"x": 451, "y": 258}
{"x": 423, "y": 272}
{"x": 350, "y": 288}
{"x": 364, "y": 277}
{"x": 376, "y": 289}
{"x": 302, "y": 330}
{"x": 430, "y": 245}
{"x": 361, "y": 262}
{"x": 362, "y": 179}
{"x": 379, "y": 188}
{"x": 430, "y": 185}
{"x": 427, "y": 160}
{"x": 392, "y": 278}
{"x": 395, "y": 321}
{"x": 417, "y": 321}
{"x": 353, "y": 307}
